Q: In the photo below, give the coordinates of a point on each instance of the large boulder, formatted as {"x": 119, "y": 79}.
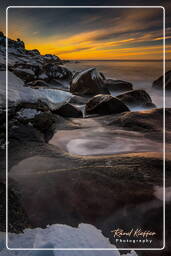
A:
{"x": 118, "y": 85}
{"x": 104, "y": 105}
{"x": 158, "y": 84}
{"x": 88, "y": 82}
{"x": 136, "y": 98}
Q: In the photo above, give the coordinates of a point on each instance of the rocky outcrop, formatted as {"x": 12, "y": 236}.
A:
{"x": 118, "y": 85}
{"x": 54, "y": 71}
{"x": 158, "y": 84}
{"x": 136, "y": 98}
{"x": 19, "y": 94}
{"x": 104, "y": 105}
{"x": 88, "y": 82}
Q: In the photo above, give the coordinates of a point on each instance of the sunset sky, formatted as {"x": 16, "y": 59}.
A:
{"x": 103, "y": 34}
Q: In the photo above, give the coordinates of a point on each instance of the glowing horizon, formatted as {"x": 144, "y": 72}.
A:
{"x": 108, "y": 35}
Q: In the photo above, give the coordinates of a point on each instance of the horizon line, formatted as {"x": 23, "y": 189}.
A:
{"x": 115, "y": 60}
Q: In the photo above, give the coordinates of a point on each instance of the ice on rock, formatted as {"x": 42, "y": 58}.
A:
{"x": 61, "y": 236}
{"x": 17, "y": 93}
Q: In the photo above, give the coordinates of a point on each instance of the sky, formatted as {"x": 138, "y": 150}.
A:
{"x": 92, "y": 33}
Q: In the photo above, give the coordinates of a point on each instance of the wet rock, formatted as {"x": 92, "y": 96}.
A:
{"x": 158, "y": 84}
{"x": 88, "y": 82}
{"x": 104, "y": 105}
{"x": 118, "y": 85}
{"x": 135, "y": 98}
{"x": 68, "y": 110}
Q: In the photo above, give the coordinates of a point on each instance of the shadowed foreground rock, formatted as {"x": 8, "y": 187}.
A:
{"x": 104, "y": 105}
{"x": 17, "y": 219}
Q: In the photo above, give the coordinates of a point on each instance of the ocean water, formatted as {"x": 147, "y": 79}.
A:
{"x": 140, "y": 73}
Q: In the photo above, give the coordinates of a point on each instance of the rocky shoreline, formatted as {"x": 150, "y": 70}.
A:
{"x": 52, "y": 111}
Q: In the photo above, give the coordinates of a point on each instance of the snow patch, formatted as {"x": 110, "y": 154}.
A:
{"x": 60, "y": 236}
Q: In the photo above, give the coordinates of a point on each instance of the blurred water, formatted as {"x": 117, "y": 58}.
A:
{"x": 140, "y": 73}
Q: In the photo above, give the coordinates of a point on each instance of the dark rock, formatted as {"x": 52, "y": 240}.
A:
{"x": 2, "y": 67}
{"x": 149, "y": 105}
{"x": 37, "y": 84}
{"x": 49, "y": 58}
{"x": 79, "y": 99}
{"x": 104, "y": 105}
{"x": 102, "y": 75}
{"x": 135, "y": 98}
{"x": 17, "y": 217}
{"x": 21, "y": 132}
{"x": 41, "y": 106}
{"x": 54, "y": 71}
{"x": 88, "y": 82}
{"x": 118, "y": 85}
{"x": 25, "y": 74}
{"x": 149, "y": 122}
{"x": 33, "y": 52}
{"x": 45, "y": 122}
{"x": 68, "y": 110}
{"x": 158, "y": 84}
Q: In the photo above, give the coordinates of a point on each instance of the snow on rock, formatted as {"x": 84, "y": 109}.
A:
{"x": 61, "y": 236}
{"x": 17, "y": 93}
{"x": 27, "y": 113}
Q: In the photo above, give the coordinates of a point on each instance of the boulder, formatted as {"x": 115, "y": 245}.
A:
{"x": 88, "y": 82}
{"x": 118, "y": 85}
{"x": 68, "y": 110}
{"x": 104, "y": 105}
{"x": 135, "y": 98}
{"x": 158, "y": 84}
